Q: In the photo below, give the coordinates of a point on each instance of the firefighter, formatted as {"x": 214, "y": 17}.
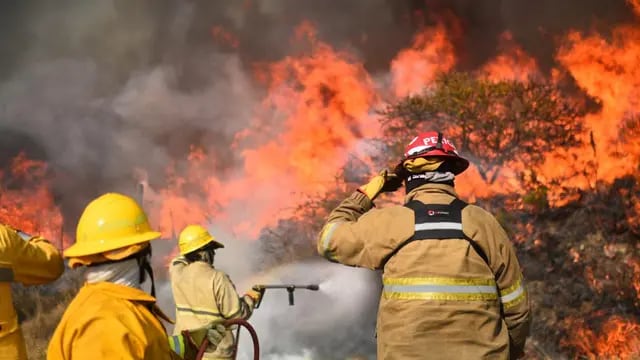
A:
{"x": 30, "y": 260}
{"x": 203, "y": 293}
{"x": 111, "y": 317}
{"x": 452, "y": 285}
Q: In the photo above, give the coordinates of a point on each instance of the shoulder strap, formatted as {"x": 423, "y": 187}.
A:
{"x": 437, "y": 222}
{"x": 6, "y": 273}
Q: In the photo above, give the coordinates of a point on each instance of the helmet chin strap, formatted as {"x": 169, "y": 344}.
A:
{"x": 207, "y": 256}
{"x": 145, "y": 268}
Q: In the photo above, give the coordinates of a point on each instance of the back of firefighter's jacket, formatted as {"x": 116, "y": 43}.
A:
{"x": 452, "y": 285}
{"x": 203, "y": 294}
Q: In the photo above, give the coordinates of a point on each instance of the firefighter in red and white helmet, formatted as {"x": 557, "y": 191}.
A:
{"x": 452, "y": 285}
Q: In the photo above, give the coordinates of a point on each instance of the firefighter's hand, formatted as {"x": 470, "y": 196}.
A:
{"x": 385, "y": 181}
{"x": 186, "y": 344}
{"x": 255, "y": 294}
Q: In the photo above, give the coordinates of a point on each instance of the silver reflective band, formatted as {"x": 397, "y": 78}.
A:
{"x": 196, "y": 311}
{"x": 24, "y": 235}
{"x": 327, "y": 235}
{"x": 439, "y": 226}
{"x": 512, "y": 296}
{"x": 6, "y": 275}
{"x": 452, "y": 289}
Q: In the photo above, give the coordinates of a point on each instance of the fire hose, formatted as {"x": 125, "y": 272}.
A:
{"x": 240, "y": 322}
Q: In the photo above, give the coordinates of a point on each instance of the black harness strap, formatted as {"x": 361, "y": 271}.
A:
{"x": 6, "y": 274}
{"x": 437, "y": 222}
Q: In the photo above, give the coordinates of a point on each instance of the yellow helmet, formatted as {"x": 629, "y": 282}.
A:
{"x": 112, "y": 227}
{"x": 194, "y": 237}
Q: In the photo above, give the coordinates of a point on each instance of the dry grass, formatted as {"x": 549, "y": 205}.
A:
{"x": 40, "y": 309}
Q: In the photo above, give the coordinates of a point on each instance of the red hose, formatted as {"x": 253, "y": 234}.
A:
{"x": 227, "y": 323}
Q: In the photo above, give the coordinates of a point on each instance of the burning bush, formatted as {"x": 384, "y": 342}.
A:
{"x": 497, "y": 123}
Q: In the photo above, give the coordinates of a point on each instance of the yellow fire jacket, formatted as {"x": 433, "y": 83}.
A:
{"x": 31, "y": 262}
{"x": 204, "y": 294}
{"x": 111, "y": 321}
{"x": 452, "y": 285}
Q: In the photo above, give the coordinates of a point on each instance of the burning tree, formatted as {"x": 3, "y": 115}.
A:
{"x": 495, "y": 123}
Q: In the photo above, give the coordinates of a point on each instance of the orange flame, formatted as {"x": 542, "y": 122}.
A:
{"x": 618, "y": 339}
{"x": 635, "y": 5}
{"x": 512, "y": 63}
{"x": 414, "y": 68}
{"x": 607, "y": 70}
{"x": 26, "y": 201}
{"x": 317, "y": 109}
{"x": 635, "y": 265}
{"x": 315, "y": 113}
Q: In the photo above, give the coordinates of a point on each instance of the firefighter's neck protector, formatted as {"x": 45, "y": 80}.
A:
{"x": 126, "y": 272}
{"x": 421, "y": 171}
{"x": 142, "y": 259}
{"x": 206, "y": 254}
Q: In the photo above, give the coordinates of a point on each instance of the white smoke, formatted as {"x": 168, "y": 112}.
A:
{"x": 335, "y": 322}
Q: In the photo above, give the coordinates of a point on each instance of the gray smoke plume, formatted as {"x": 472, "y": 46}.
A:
{"x": 100, "y": 88}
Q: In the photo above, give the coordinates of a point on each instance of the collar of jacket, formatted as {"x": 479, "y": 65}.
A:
{"x": 430, "y": 188}
{"x": 128, "y": 293}
{"x": 121, "y": 291}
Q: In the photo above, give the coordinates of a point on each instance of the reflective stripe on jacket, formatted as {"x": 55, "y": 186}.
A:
{"x": 203, "y": 294}
{"x": 111, "y": 321}
{"x": 448, "y": 297}
{"x": 30, "y": 261}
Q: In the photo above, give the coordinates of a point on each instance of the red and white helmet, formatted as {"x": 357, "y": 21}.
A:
{"x": 434, "y": 144}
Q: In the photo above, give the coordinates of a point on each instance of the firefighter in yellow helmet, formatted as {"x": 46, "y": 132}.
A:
{"x": 452, "y": 285}
{"x": 30, "y": 260}
{"x": 111, "y": 317}
{"x": 203, "y": 293}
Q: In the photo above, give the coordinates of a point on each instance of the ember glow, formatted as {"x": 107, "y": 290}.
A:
{"x": 617, "y": 339}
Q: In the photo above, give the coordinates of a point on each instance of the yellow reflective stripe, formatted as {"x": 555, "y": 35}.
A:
{"x": 6, "y": 274}
{"x": 325, "y": 239}
{"x": 176, "y": 342}
{"x": 438, "y": 280}
{"x": 438, "y": 296}
{"x": 440, "y": 288}
{"x": 513, "y": 295}
{"x": 199, "y": 312}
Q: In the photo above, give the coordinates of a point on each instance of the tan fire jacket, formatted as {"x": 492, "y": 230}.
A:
{"x": 31, "y": 262}
{"x": 204, "y": 294}
{"x": 440, "y": 299}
